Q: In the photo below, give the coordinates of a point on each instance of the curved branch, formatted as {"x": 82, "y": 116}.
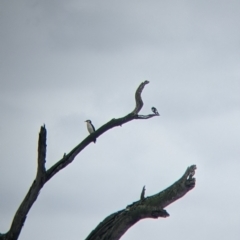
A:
{"x": 114, "y": 226}
{"x": 138, "y": 97}
{"x": 68, "y": 158}
{"x": 43, "y": 176}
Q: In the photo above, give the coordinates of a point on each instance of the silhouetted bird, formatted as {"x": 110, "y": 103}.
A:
{"x": 90, "y": 128}
{"x": 155, "y": 111}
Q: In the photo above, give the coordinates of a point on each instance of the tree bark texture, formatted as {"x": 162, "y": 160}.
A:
{"x": 115, "y": 225}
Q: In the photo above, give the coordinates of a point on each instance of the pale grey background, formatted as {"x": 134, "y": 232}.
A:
{"x": 63, "y": 62}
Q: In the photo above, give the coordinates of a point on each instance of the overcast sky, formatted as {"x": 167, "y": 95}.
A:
{"x": 62, "y": 62}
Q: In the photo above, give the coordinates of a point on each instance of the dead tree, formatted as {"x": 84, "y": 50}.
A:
{"x": 115, "y": 225}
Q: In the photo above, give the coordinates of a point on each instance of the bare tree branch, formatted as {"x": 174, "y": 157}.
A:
{"x": 30, "y": 198}
{"x": 114, "y": 226}
{"x": 138, "y": 98}
{"x": 43, "y": 176}
{"x": 145, "y": 116}
{"x": 62, "y": 163}
{"x": 142, "y": 196}
{"x": 42, "y": 150}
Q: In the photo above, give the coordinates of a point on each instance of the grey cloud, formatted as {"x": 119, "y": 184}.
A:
{"x": 65, "y": 62}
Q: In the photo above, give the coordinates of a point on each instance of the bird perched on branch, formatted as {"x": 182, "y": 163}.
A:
{"x": 155, "y": 111}
{"x": 90, "y": 128}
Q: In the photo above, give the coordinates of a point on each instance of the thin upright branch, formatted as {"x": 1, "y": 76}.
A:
{"x": 114, "y": 226}
{"x": 30, "y": 198}
{"x": 42, "y": 150}
{"x": 138, "y": 98}
{"x": 142, "y": 196}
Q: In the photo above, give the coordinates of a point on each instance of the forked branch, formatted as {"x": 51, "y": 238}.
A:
{"x": 43, "y": 176}
{"x": 68, "y": 158}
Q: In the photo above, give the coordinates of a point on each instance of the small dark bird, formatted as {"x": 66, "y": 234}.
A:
{"x": 155, "y": 111}
{"x": 90, "y": 128}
